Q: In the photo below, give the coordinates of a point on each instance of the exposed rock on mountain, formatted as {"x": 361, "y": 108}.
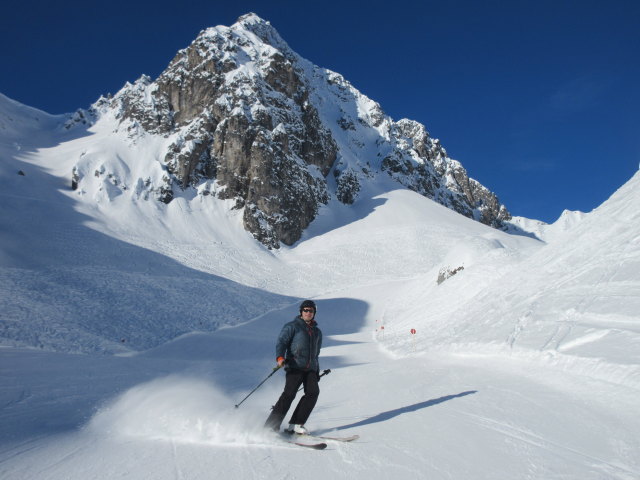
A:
{"x": 250, "y": 120}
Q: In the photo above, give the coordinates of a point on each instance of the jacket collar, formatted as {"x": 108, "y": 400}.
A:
{"x": 312, "y": 324}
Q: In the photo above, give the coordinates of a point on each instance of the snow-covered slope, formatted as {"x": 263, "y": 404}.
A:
{"x": 574, "y": 302}
{"x": 544, "y": 231}
{"x": 70, "y": 283}
{"x": 85, "y": 244}
{"x": 524, "y": 361}
{"x": 18, "y": 121}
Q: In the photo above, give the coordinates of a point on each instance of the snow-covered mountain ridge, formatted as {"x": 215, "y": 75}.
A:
{"x": 239, "y": 115}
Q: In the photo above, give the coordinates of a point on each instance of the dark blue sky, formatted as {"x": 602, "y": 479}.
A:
{"x": 539, "y": 100}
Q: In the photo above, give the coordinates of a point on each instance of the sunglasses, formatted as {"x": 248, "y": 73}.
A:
{"x": 308, "y": 310}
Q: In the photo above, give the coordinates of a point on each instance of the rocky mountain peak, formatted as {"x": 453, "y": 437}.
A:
{"x": 262, "y": 29}
{"x": 246, "y": 118}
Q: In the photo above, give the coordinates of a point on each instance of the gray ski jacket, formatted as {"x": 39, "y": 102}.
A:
{"x": 299, "y": 344}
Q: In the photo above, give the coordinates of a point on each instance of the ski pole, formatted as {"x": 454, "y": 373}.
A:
{"x": 260, "y": 384}
{"x": 324, "y": 372}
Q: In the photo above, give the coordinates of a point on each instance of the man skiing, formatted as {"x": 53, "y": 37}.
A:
{"x": 297, "y": 349}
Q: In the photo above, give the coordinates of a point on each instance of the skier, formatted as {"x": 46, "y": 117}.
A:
{"x": 297, "y": 349}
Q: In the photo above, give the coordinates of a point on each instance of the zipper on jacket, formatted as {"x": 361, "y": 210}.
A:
{"x": 310, "y": 330}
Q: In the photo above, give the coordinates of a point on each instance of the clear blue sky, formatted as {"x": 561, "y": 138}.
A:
{"x": 539, "y": 100}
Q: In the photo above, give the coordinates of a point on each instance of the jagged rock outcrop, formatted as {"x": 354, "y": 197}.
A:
{"x": 240, "y": 109}
{"x": 421, "y": 163}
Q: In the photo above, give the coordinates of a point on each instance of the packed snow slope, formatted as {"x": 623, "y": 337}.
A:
{"x": 130, "y": 329}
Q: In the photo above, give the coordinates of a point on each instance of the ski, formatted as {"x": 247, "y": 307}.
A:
{"x": 324, "y": 437}
{"x": 313, "y": 446}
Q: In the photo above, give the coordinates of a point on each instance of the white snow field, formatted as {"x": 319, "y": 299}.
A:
{"x": 130, "y": 329}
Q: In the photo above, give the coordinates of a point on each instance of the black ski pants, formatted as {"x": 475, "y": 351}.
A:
{"x": 294, "y": 379}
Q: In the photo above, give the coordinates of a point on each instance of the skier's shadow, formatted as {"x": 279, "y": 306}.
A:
{"x": 384, "y": 416}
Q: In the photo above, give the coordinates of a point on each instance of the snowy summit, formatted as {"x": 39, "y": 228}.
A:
{"x": 238, "y": 115}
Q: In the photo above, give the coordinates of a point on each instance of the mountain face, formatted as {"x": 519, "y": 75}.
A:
{"x": 246, "y": 118}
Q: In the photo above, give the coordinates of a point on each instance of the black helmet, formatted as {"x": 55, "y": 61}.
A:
{"x": 308, "y": 304}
